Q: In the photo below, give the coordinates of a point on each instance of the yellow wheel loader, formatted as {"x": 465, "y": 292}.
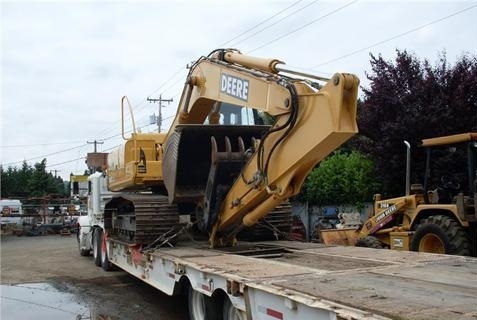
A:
{"x": 438, "y": 216}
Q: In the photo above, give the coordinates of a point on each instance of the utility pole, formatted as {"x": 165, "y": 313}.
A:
{"x": 159, "y": 118}
{"x": 56, "y": 171}
{"x": 95, "y": 143}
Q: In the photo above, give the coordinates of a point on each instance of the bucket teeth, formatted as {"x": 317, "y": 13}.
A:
{"x": 229, "y": 152}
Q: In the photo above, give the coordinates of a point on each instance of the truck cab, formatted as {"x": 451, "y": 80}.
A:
{"x": 98, "y": 196}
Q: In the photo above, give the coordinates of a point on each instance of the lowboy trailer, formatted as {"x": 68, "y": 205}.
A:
{"x": 293, "y": 280}
{"x": 286, "y": 279}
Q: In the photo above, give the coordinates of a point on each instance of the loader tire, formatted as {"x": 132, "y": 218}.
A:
{"x": 440, "y": 234}
{"x": 369, "y": 242}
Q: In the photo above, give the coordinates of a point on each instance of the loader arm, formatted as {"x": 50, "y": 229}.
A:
{"x": 268, "y": 163}
{"x": 386, "y": 212}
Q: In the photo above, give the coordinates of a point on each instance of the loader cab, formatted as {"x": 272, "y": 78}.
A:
{"x": 451, "y": 170}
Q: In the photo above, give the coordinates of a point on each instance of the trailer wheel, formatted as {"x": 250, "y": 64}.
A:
{"x": 440, "y": 234}
{"x": 105, "y": 263}
{"x": 97, "y": 237}
{"x": 202, "y": 307}
{"x": 369, "y": 242}
{"x": 232, "y": 313}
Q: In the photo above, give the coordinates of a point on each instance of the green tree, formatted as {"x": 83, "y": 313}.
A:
{"x": 39, "y": 180}
{"x": 342, "y": 178}
{"x": 30, "y": 181}
{"x": 14, "y": 182}
{"x": 6, "y": 182}
{"x": 22, "y": 179}
{"x": 42, "y": 183}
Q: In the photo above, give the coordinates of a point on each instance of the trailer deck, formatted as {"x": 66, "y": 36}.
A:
{"x": 293, "y": 280}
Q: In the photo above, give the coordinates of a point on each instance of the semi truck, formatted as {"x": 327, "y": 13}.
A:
{"x": 179, "y": 210}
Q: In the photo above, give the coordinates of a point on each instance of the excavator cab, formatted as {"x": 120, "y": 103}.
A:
{"x": 230, "y": 114}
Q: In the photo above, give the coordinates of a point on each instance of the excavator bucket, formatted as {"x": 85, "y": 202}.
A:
{"x": 188, "y": 157}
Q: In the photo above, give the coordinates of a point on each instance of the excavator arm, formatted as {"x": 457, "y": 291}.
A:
{"x": 236, "y": 174}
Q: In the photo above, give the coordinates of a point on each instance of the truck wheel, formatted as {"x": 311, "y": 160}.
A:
{"x": 369, "y": 242}
{"x": 440, "y": 234}
{"x": 105, "y": 263}
{"x": 202, "y": 307}
{"x": 97, "y": 237}
{"x": 232, "y": 313}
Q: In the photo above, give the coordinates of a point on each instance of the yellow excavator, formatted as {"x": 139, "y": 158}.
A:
{"x": 246, "y": 134}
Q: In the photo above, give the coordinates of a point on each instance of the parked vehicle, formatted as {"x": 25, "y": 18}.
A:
{"x": 438, "y": 218}
{"x": 11, "y": 212}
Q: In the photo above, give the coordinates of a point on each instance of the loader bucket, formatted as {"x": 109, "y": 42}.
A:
{"x": 342, "y": 237}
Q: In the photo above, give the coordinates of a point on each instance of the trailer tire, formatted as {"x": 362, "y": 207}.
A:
{"x": 202, "y": 307}
{"x": 97, "y": 237}
{"x": 232, "y": 313}
{"x": 369, "y": 242}
{"x": 440, "y": 234}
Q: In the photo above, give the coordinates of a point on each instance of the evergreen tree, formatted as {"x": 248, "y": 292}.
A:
{"x": 30, "y": 181}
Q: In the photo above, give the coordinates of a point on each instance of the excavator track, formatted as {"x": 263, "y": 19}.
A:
{"x": 141, "y": 219}
{"x": 277, "y": 224}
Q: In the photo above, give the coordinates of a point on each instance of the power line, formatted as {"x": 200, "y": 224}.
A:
{"x": 40, "y": 144}
{"x": 304, "y": 26}
{"x": 45, "y": 156}
{"x": 69, "y": 161}
{"x": 142, "y": 102}
{"x": 271, "y": 25}
{"x": 73, "y": 160}
{"x": 260, "y": 23}
{"x": 136, "y": 106}
{"x": 395, "y": 37}
{"x": 173, "y": 84}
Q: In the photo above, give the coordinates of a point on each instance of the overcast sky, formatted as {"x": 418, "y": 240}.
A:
{"x": 66, "y": 64}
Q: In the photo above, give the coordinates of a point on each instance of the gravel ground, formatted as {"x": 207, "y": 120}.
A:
{"x": 45, "y": 276}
